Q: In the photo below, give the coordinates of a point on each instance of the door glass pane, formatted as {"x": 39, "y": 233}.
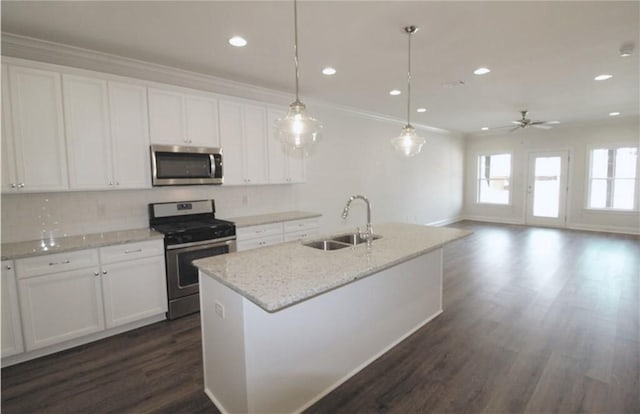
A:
{"x": 494, "y": 172}
{"x": 546, "y": 191}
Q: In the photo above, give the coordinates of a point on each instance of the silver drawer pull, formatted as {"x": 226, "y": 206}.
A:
{"x": 132, "y": 251}
{"x": 57, "y": 263}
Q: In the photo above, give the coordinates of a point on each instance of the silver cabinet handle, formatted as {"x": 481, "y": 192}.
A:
{"x": 20, "y": 185}
{"x": 96, "y": 273}
{"x": 62, "y": 262}
{"x": 104, "y": 272}
{"x": 132, "y": 251}
{"x": 13, "y": 185}
{"x": 9, "y": 267}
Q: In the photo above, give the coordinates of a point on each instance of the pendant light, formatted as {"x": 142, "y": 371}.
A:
{"x": 408, "y": 143}
{"x": 298, "y": 130}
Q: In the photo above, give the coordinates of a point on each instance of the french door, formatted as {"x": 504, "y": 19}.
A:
{"x": 547, "y": 188}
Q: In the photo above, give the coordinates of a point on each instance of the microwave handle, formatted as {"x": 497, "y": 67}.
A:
{"x": 212, "y": 162}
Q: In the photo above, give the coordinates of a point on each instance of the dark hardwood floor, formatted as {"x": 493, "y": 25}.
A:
{"x": 535, "y": 320}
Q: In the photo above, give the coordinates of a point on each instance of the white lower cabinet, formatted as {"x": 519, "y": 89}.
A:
{"x": 61, "y": 306}
{"x": 133, "y": 289}
{"x": 11, "y": 326}
{"x": 66, "y": 296}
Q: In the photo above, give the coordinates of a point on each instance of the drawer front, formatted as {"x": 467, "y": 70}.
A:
{"x": 54, "y": 263}
{"x": 301, "y": 234}
{"x": 131, "y": 251}
{"x": 263, "y": 230}
{"x": 297, "y": 225}
{"x": 259, "y": 242}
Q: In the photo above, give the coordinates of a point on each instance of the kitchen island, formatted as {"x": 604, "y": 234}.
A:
{"x": 284, "y": 325}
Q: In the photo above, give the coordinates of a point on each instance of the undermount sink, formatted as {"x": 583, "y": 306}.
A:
{"x": 353, "y": 238}
{"x": 339, "y": 242}
{"x": 326, "y": 245}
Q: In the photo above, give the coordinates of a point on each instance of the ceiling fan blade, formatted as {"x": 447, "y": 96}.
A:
{"x": 541, "y": 126}
{"x": 514, "y": 129}
{"x": 517, "y": 122}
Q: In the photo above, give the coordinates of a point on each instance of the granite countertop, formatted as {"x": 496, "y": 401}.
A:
{"x": 282, "y": 275}
{"x": 246, "y": 221}
{"x": 64, "y": 244}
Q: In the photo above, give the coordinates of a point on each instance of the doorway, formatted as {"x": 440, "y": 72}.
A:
{"x": 547, "y": 188}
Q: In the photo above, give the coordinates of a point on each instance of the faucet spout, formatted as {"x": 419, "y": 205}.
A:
{"x": 368, "y": 234}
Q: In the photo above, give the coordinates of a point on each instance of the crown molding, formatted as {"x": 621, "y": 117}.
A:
{"x": 24, "y": 47}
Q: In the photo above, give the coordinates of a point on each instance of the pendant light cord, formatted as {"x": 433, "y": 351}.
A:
{"x": 295, "y": 47}
{"x": 409, "y": 83}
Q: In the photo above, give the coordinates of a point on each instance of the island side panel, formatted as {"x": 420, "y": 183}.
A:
{"x": 299, "y": 354}
{"x": 223, "y": 346}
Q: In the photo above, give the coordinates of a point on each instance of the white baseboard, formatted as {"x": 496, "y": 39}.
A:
{"x": 444, "y": 222}
{"x": 569, "y": 226}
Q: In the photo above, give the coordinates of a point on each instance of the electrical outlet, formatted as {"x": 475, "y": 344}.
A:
{"x": 219, "y": 308}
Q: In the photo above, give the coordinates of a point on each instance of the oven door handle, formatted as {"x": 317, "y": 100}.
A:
{"x": 212, "y": 243}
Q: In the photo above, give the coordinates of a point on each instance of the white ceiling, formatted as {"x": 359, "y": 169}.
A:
{"x": 543, "y": 55}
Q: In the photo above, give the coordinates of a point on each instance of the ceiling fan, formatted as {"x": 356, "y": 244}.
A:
{"x": 525, "y": 122}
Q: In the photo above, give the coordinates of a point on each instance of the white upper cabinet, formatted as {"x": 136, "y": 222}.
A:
{"x": 283, "y": 167}
{"x": 37, "y": 135}
{"x": 8, "y": 157}
{"x": 88, "y": 137}
{"x": 107, "y": 138}
{"x": 129, "y": 135}
{"x": 183, "y": 119}
{"x": 243, "y": 137}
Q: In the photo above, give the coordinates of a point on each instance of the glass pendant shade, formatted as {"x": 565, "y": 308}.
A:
{"x": 408, "y": 143}
{"x": 297, "y": 130}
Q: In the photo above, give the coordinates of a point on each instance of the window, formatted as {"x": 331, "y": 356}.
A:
{"x": 612, "y": 178}
{"x": 494, "y": 176}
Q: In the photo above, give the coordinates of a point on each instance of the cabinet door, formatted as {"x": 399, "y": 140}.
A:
{"x": 134, "y": 290}
{"x": 167, "y": 117}
{"x": 255, "y": 149}
{"x": 61, "y": 306}
{"x": 278, "y": 164}
{"x": 38, "y": 129}
{"x": 202, "y": 121}
{"x": 9, "y": 182}
{"x": 231, "y": 141}
{"x": 11, "y": 328}
{"x": 243, "y": 245}
{"x": 129, "y": 135}
{"x": 88, "y": 137}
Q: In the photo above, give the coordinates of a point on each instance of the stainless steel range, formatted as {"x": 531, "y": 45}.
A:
{"x": 191, "y": 232}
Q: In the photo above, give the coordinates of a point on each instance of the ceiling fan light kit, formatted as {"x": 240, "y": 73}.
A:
{"x": 298, "y": 130}
{"x": 408, "y": 143}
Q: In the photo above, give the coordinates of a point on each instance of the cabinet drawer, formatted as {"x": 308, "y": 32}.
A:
{"x": 297, "y": 225}
{"x": 252, "y": 232}
{"x": 301, "y": 234}
{"x": 54, "y": 263}
{"x": 259, "y": 242}
{"x": 130, "y": 251}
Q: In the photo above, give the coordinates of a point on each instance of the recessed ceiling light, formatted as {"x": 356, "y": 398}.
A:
{"x": 328, "y": 71}
{"x": 626, "y": 49}
{"x": 614, "y": 113}
{"x": 602, "y": 77}
{"x": 421, "y": 110}
{"x": 481, "y": 71}
{"x": 395, "y": 92}
{"x": 485, "y": 128}
{"x": 237, "y": 41}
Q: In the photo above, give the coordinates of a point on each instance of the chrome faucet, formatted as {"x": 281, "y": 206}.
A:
{"x": 367, "y": 234}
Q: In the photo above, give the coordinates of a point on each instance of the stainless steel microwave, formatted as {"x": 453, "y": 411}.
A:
{"x": 179, "y": 165}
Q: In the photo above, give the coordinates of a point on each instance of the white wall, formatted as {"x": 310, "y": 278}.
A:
{"x": 577, "y": 140}
{"x": 353, "y": 157}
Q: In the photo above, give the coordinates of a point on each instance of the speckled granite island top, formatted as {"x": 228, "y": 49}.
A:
{"x": 247, "y": 221}
{"x": 279, "y": 276}
{"x": 64, "y": 244}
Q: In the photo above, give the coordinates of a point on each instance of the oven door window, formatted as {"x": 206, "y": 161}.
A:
{"x": 182, "y": 165}
{"x": 188, "y": 273}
